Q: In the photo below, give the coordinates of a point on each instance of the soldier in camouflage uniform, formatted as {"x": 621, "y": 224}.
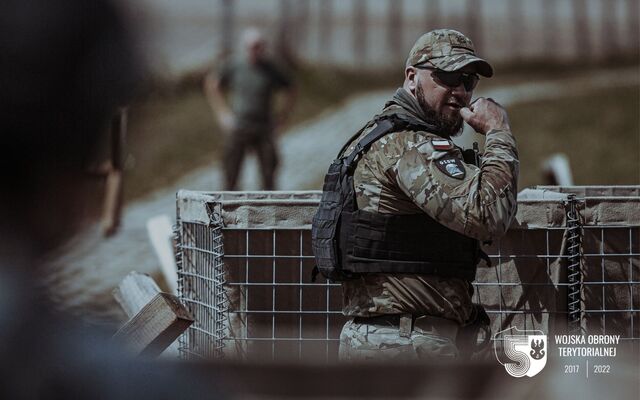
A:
{"x": 252, "y": 83}
{"x": 413, "y": 316}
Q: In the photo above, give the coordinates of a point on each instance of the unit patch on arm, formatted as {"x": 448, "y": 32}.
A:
{"x": 451, "y": 166}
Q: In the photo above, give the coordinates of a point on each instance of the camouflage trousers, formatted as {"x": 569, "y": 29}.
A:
{"x": 379, "y": 341}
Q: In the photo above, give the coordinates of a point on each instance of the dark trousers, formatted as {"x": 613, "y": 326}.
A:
{"x": 245, "y": 139}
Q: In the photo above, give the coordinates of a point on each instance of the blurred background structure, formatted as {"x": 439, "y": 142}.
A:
{"x": 377, "y": 33}
{"x": 568, "y": 72}
{"x": 342, "y": 48}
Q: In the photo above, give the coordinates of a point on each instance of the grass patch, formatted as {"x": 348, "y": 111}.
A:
{"x": 599, "y": 132}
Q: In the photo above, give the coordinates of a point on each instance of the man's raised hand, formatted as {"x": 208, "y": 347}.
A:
{"x": 484, "y": 115}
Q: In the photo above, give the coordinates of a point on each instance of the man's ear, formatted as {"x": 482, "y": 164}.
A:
{"x": 410, "y": 79}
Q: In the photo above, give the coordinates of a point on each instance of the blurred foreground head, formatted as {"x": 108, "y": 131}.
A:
{"x": 65, "y": 66}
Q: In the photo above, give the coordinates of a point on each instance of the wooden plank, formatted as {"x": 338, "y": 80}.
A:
{"x": 112, "y": 208}
{"x": 112, "y": 203}
{"x": 156, "y": 326}
{"x": 161, "y": 235}
{"x": 134, "y": 292}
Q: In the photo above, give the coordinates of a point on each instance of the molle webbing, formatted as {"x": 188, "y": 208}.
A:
{"x": 415, "y": 244}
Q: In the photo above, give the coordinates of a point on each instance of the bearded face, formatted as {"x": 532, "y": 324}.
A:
{"x": 448, "y": 121}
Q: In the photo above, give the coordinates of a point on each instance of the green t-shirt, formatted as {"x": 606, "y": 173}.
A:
{"x": 252, "y": 87}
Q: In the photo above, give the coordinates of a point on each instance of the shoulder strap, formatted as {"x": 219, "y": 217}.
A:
{"x": 376, "y": 120}
{"x": 384, "y": 126}
{"x": 352, "y": 138}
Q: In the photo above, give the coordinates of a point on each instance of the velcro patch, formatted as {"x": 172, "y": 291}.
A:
{"x": 441, "y": 144}
{"x": 451, "y": 166}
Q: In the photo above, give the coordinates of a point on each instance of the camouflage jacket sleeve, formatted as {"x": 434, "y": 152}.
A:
{"x": 477, "y": 202}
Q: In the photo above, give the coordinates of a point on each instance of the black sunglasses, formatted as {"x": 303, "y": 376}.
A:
{"x": 453, "y": 79}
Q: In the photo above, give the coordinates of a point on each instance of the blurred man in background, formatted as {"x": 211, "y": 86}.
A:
{"x": 413, "y": 210}
{"x": 252, "y": 83}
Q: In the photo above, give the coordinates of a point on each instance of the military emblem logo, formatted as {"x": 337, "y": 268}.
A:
{"x": 452, "y": 167}
{"x": 523, "y": 353}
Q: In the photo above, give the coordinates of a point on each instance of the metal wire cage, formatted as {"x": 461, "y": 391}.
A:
{"x": 569, "y": 263}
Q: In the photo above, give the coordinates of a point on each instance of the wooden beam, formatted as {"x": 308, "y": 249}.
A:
{"x": 134, "y": 292}
{"x": 160, "y": 233}
{"x": 112, "y": 208}
{"x": 156, "y": 326}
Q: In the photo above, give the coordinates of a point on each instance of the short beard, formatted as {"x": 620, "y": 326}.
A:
{"x": 447, "y": 126}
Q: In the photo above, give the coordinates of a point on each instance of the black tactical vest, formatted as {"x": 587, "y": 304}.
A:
{"x": 348, "y": 242}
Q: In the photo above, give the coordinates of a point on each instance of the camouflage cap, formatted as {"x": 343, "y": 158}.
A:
{"x": 447, "y": 50}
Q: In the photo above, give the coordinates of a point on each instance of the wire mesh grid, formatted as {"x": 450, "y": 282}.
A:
{"x": 607, "y": 297}
{"x": 611, "y": 281}
{"x": 201, "y": 281}
{"x": 275, "y": 311}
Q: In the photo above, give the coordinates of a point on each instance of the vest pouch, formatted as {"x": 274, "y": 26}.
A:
{"x": 325, "y": 232}
{"x": 413, "y": 244}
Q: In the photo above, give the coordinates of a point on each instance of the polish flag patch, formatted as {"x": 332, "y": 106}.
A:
{"x": 441, "y": 144}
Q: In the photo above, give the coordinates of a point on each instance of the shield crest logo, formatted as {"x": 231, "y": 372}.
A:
{"x": 522, "y": 353}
